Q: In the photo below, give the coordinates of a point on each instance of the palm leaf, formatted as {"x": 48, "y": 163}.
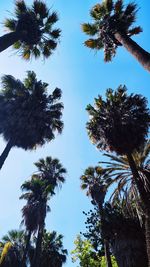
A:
{"x": 10, "y": 24}
{"x": 94, "y": 43}
{"x": 20, "y": 8}
{"x": 89, "y": 28}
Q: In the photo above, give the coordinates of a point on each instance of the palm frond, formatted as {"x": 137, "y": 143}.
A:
{"x": 21, "y": 7}
{"x": 10, "y": 24}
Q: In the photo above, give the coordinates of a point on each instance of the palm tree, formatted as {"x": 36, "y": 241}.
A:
{"x": 118, "y": 174}
{"x": 112, "y": 26}
{"x": 120, "y": 124}
{"x": 39, "y": 190}
{"x": 31, "y": 30}
{"x": 53, "y": 254}
{"x": 33, "y": 211}
{"x": 125, "y": 234}
{"x": 13, "y": 247}
{"x": 92, "y": 180}
{"x": 29, "y": 116}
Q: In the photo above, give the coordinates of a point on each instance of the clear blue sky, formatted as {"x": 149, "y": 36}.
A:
{"x": 82, "y": 75}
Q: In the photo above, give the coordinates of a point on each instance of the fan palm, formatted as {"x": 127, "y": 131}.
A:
{"x": 34, "y": 210}
{"x": 39, "y": 189}
{"x": 31, "y": 30}
{"x": 53, "y": 254}
{"x": 92, "y": 180}
{"x": 13, "y": 247}
{"x": 29, "y": 116}
{"x": 120, "y": 123}
{"x": 112, "y": 26}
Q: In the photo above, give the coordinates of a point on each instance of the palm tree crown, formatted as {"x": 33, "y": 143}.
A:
{"x": 13, "y": 247}
{"x": 39, "y": 190}
{"x": 119, "y": 123}
{"x": 53, "y": 253}
{"x": 29, "y": 116}
{"x": 34, "y": 28}
{"x": 92, "y": 180}
{"x": 110, "y": 17}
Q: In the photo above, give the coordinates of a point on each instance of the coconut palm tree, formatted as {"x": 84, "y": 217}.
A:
{"x": 120, "y": 124}
{"x": 92, "y": 180}
{"x": 31, "y": 30}
{"x": 39, "y": 190}
{"x": 53, "y": 254}
{"x": 113, "y": 26}
{"x": 29, "y": 116}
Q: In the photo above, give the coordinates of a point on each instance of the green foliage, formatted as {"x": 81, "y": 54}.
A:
{"x": 103, "y": 262}
{"x": 85, "y": 254}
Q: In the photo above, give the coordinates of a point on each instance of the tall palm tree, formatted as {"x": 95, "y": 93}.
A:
{"x": 120, "y": 124}
{"x": 92, "y": 180}
{"x": 39, "y": 189}
{"x": 29, "y": 116}
{"x": 34, "y": 210}
{"x": 113, "y": 26}
{"x": 13, "y": 247}
{"x": 53, "y": 254}
{"x": 31, "y": 30}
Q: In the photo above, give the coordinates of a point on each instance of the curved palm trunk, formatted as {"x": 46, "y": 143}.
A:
{"x": 142, "y": 56}
{"x": 8, "y": 40}
{"x": 5, "y": 153}
{"x": 146, "y": 202}
{"x": 26, "y": 249}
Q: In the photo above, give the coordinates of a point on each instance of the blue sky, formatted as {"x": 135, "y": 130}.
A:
{"x": 82, "y": 75}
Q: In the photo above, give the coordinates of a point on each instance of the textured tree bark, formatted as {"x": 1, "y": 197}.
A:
{"x": 142, "y": 56}
{"x": 5, "y": 153}
{"x": 145, "y": 197}
{"x": 8, "y": 40}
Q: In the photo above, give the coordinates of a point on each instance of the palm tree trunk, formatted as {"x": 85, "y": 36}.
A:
{"x": 8, "y": 40}
{"x": 5, "y": 153}
{"x": 37, "y": 255}
{"x": 106, "y": 242}
{"x": 26, "y": 249}
{"x": 146, "y": 202}
{"x": 142, "y": 56}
